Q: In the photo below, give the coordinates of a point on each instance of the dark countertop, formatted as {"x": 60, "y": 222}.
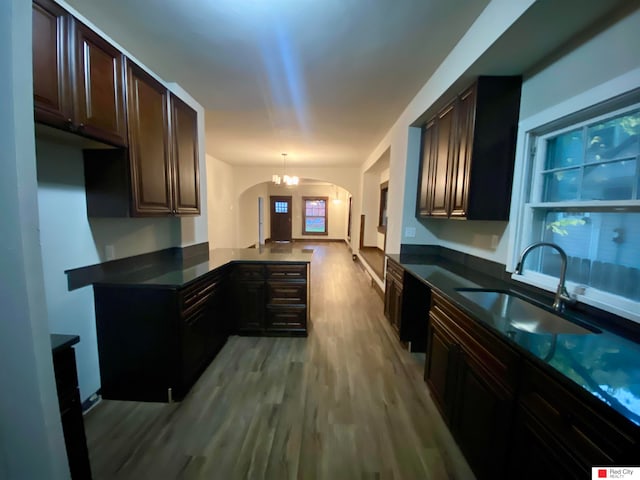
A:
{"x": 179, "y": 274}
{"x": 60, "y": 342}
{"x": 605, "y": 364}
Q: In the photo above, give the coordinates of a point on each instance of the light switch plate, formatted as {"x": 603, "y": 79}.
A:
{"x": 410, "y": 232}
{"x": 109, "y": 252}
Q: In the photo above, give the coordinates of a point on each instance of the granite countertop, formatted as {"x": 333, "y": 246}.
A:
{"x": 179, "y": 274}
{"x": 605, "y": 364}
{"x": 60, "y": 342}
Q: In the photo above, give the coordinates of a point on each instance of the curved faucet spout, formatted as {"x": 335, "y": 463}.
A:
{"x": 561, "y": 292}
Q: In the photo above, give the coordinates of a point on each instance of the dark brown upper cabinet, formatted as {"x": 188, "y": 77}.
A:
{"x": 150, "y": 144}
{"x": 51, "y": 74}
{"x": 158, "y": 175}
{"x": 99, "y": 104}
{"x": 468, "y": 152}
{"x": 78, "y": 77}
{"x": 184, "y": 126}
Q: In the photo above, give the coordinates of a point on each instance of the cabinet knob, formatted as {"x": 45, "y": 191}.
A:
{"x": 81, "y": 126}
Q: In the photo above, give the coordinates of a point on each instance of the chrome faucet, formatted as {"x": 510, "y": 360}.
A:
{"x": 562, "y": 295}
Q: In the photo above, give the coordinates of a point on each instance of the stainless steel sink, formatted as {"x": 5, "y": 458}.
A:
{"x": 510, "y": 311}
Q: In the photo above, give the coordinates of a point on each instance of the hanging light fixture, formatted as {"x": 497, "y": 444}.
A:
{"x": 336, "y": 197}
{"x": 284, "y": 179}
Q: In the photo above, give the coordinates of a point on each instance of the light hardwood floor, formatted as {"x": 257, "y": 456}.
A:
{"x": 375, "y": 258}
{"x": 345, "y": 403}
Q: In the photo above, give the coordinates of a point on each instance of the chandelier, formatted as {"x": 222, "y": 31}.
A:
{"x": 284, "y": 179}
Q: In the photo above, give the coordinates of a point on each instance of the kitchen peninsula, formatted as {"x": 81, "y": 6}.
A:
{"x": 159, "y": 328}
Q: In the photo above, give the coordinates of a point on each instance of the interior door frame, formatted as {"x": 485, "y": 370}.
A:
{"x": 273, "y": 216}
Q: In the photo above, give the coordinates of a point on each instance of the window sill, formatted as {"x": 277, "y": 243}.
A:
{"x": 624, "y": 308}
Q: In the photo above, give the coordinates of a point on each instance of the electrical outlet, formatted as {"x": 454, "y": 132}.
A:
{"x": 494, "y": 241}
{"x": 109, "y": 252}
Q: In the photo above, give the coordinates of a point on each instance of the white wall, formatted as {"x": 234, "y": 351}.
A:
{"x": 607, "y": 55}
{"x": 222, "y": 204}
{"x": 248, "y": 177}
{"x": 370, "y": 206}
{"x": 247, "y": 211}
{"x": 69, "y": 239}
{"x": 337, "y": 211}
{"x": 247, "y": 215}
{"x": 380, "y": 238}
{"x": 572, "y": 82}
{"x": 580, "y": 67}
{"x": 31, "y": 442}
{"x": 404, "y": 142}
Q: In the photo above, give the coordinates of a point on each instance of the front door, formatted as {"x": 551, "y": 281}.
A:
{"x": 280, "y": 219}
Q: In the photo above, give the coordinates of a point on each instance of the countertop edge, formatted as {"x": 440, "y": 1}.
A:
{"x": 61, "y": 342}
{"x": 527, "y": 354}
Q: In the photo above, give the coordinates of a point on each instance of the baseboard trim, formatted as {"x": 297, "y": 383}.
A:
{"x": 318, "y": 240}
{"x": 91, "y": 402}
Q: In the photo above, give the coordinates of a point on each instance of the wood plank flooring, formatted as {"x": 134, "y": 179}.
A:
{"x": 375, "y": 258}
{"x": 345, "y": 403}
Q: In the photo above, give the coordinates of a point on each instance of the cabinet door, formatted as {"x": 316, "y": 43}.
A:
{"x": 51, "y": 83}
{"x": 462, "y": 163}
{"x": 425, "y": 198}
{"x": 396, "y": 309}
{"x": 444, "y": 157}
{"x": 249, "y": 305}
{"x": 148, "y": 144}
{"x": 535, "y": 454}
{"x": 481, "y": 419}
{"x": 184, "y": 127}
{"x": 98, "y": 87}
{"x": 388, "y": 292}
{"x": 440, "y": 368}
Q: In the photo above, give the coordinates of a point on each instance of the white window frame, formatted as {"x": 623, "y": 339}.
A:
{"x": 626, "y": 90}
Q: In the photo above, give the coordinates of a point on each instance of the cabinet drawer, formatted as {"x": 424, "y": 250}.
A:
{"x": 287, "y": 272}
{"x": 287, "y": 293}
{"x": 286, "y": 318}
{"x": 494, "y": 355}
{"x": 245, "y": 272}
{"x": 195, "y": 297}
{"x": 593, "y": 438}
{"x": 395, "y": 271}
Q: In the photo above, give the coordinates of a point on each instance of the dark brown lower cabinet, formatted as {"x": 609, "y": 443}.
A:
{"x": 535, "y": 454}
{"x": 155, "y": 341}
{"x": 249, "y": 298}
{"x": 440, "y": 368}
{"x": 481, "y": 418}
{"x": 575, "y": 430}
{"x": 464, "y": 373}
{"x": 393, "y": 294}
{"x": 406, "y": 306}
{"x": 64, "y": 365}
{"x": 271, "y": 299}
{"x": 512, "y": 417}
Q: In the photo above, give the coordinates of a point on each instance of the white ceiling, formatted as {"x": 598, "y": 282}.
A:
{"x": 322, "y": 80}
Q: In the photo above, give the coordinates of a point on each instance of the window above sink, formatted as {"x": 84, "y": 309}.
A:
{"x": 579, "y": 188}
